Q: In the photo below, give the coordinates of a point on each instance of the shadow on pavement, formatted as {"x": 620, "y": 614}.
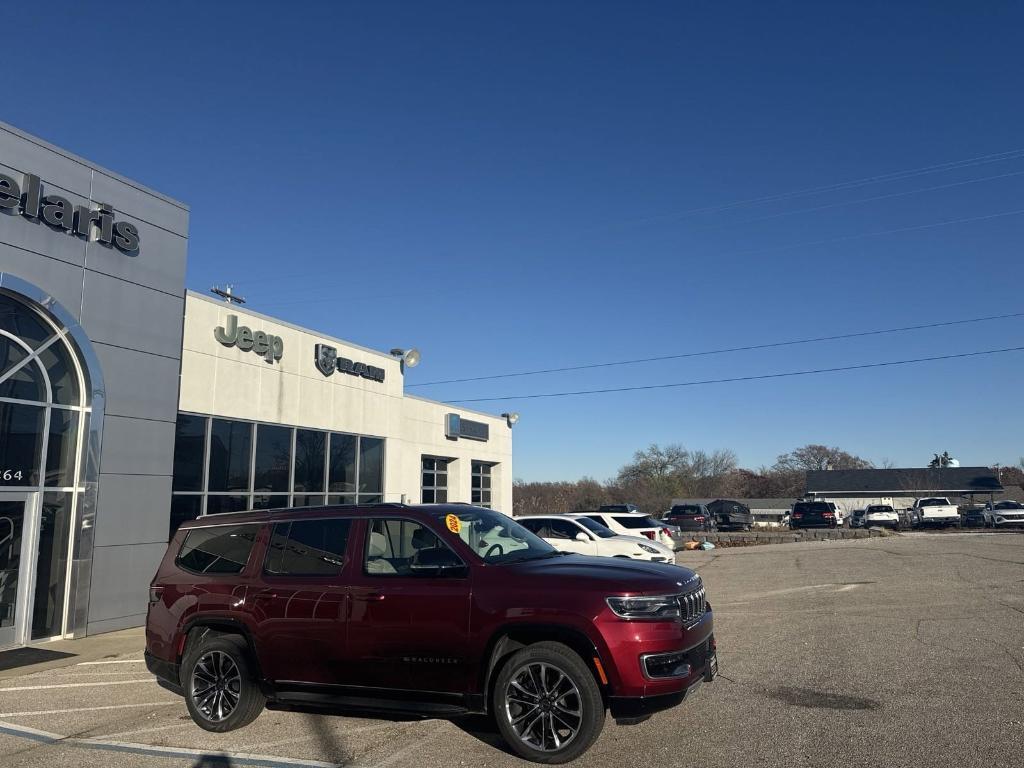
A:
{"x": 483, "y": 729}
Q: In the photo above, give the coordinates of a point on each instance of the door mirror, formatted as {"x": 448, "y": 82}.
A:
{"x": 581, "y": 536}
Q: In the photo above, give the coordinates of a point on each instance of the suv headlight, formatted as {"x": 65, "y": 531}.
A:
{"x": 647, "y": 548}
{"x": 658, "y": 607}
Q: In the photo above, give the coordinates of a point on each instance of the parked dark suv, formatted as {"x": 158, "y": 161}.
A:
{"x": 812, "y": 514}
{"x": 434, "y": 609}
{"x": 690, "y": 517}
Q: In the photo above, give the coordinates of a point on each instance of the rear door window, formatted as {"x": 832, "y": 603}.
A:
{"x": 220, "y": 549}
{"x": 307, "y": 548}
{"x": 635, "y": 521}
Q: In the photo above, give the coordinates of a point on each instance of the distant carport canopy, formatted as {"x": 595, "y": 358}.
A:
{"x": 915, "y": 482}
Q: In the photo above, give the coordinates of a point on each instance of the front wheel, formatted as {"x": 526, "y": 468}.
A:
{"x": 547, "y": 704}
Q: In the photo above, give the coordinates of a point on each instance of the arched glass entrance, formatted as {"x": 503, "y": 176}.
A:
{"x": 44, "y": 423}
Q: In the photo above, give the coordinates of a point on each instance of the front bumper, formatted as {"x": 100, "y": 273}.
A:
{"x": 1008, "y": 522}
{"x": 628, "y": 709}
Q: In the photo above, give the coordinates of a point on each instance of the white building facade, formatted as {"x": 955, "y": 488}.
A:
{"x": 274, "y": 415}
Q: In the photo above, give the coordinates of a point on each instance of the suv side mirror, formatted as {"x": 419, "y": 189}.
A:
{"x": 581, "y": 536}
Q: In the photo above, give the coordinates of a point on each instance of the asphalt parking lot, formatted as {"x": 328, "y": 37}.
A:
{"x": 901, "y": 651}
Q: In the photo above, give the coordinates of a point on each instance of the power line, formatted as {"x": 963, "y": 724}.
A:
{"x": 758, "y": 377}
{"x": 705, "y": 353}
{"x": 1013, "y": 154}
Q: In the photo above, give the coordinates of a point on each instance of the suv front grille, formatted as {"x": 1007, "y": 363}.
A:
{"x": 692, "y": 605}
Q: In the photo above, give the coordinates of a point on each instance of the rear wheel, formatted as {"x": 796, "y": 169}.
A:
{"x": 221, "y": 691}
{"x": 547, "y": 704}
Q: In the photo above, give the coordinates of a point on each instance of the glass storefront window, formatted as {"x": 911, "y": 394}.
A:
{"x": 308, "y": 500}
{"x": 51, "y": 565}
{"x": 21, "y": 427}
{"x": 310, "y": 455}
{"x": 371, "y": 464}
{"x": 349, "y": 498}
{"x": 269, "y": 501}
{"x": 18, "y": 321}
{"x": 189, "y": 447}
{"x": 183, "y": 508}
{"x": 218, "y": 504}
{"x": 26, "y": 383}
{"x": 230, "y": 455}
{"x": 61, "y": 449}
{"x": 63, "y": 378}
{"x": 273, "y": 458}
{"x": 343, "y": 463}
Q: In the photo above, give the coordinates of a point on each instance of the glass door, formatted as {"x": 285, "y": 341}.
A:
{"x": 17, "y": 531}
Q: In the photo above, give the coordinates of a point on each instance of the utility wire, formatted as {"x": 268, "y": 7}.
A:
{"x": 1013, "y": 154}
{"x": 705, "y": 353}
{"x": 758, "y": 377}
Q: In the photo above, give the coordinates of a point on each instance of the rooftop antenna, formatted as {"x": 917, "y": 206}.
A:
{"x": 226, "y": 294}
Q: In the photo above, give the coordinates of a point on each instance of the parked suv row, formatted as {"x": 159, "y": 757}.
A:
{"x": 433, "y": 609}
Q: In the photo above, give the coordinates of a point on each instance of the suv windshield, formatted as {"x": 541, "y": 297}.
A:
{"x": 495, "y": 537}
{"x": 596, "y": 528}
{"x": 1009, "y": 505}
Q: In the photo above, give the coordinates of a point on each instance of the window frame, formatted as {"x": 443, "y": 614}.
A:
{"x": 206, "y": 574}
{"x": 477, "y": 493}
{"x": 346, "y": 555}
{"x": 434, "y": 472}
{"x": 366, "y": 550}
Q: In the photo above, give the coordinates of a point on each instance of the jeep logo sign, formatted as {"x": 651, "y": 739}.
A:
{"x": 83, "y": 221}
{"x": 271, "y": 348}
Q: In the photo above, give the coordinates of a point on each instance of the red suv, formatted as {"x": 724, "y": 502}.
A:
{"x": 440, "y": 610}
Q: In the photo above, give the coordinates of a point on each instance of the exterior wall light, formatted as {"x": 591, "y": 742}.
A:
{"x": 510, "y": 418}
{"x": 408, "y": 358}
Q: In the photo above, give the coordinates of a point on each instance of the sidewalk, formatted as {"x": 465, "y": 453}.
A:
{"x": 63, "y": 653}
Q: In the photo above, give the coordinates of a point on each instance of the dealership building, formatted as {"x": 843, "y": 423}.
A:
{"x": 128, "y": 404}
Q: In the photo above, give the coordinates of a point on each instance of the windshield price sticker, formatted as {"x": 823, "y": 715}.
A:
{"x": 453, "y": 523}
{"x": 10, "y": 474}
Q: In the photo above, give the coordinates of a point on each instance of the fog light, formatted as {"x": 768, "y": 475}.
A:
{"x": 661, "y": 665}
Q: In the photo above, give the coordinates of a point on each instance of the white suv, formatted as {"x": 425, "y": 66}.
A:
{"x": 633, "y": 524}
{"x": 575, "y": 533}
{"x": 1003, "y": 513}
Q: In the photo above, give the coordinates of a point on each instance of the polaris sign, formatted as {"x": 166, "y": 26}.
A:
{"x": 94, "y": 224}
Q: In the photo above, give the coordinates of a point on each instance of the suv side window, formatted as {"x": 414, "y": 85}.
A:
{"x": 307, "y": 548}
{"x": 597, "y": 519}
{"x": 397, "y": 547}
{"x": 217, "y": 549}
{"x": 563, "y": 529}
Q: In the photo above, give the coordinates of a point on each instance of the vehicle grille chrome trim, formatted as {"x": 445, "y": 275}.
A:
{"x": 692, "y": 605}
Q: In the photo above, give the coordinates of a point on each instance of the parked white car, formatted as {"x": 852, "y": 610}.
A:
{"x": 633, "y": 524}
{"x": 1002, "y": 513}
{"x": 882, "y": 515}
{"x": 579, "y": 534}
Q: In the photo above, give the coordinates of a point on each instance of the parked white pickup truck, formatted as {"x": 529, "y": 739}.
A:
{"x": 936, "y": 510}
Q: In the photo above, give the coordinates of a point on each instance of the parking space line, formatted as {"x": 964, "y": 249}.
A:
{"x": 231, "y": 758}
{"x": 75, "y": 685}
{"x": 86, "y": 709}
{"x": 117, "y": 661}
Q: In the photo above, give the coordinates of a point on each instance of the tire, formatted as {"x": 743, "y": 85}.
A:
{"x": 226, "y": 659}
{"x": 510, "y": 706}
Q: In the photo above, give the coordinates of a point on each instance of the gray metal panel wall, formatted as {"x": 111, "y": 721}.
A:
{"x": 131, "y": 308}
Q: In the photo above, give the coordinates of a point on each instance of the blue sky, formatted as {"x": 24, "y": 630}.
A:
{"x": 512, "y": 186}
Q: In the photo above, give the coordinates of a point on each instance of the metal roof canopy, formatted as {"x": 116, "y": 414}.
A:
{"x": 956, "y": 481}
